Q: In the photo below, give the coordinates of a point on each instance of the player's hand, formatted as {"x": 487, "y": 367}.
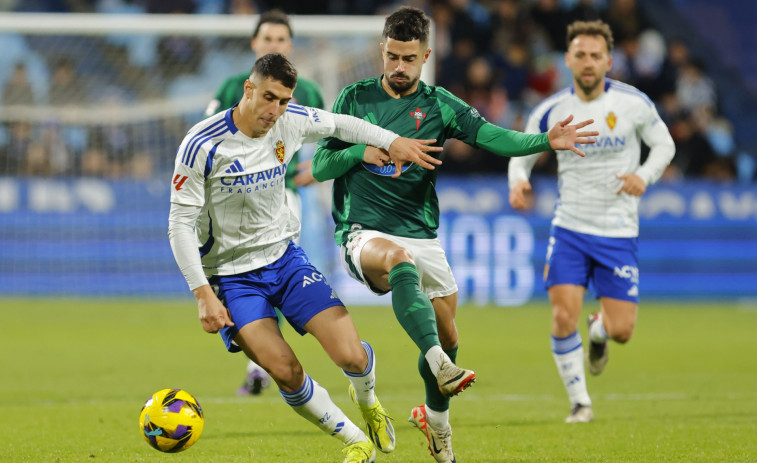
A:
{"x": 376, "y": 156}
{"x": 304, "y": 176}
{"x": 565, "y": 137}
{"x": 213, "y": 315}
{"x": 520, "y": 195}
{"x": 632, "y": 184}
{"x": 406, "y": 150}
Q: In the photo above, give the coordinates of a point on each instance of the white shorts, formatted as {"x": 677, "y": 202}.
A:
{"x": 435, "y": 274}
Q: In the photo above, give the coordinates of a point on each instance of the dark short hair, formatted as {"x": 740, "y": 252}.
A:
{"x": 277, "y": 67}
{"x": 274, "y": 16}
{"x": 598, "y": 27}
{"x": 407, "y": 24}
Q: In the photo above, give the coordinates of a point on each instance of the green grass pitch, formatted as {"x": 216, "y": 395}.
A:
{"x": 75, "y": 374}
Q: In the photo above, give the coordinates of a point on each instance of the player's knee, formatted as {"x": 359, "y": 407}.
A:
{"x": 355, "y": 361}
{"x": 622, "y": 335}
{"x": 564, "y": 318}
{"x": 289, "y": 376}
{"x": 397, "y": 256}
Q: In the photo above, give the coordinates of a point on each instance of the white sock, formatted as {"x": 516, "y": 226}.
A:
{"x": 313, "y": 403}
{"x": 436, "y": 358}
{"x": 597, "y": 332}
{"x": 569, "y": 357}
{"x": 365, "y": 382}
{"x": 437, "y": 420}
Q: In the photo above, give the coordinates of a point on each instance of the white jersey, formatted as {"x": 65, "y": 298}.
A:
{"x": 238, "y": 183}
{"x": 588, "y": 187}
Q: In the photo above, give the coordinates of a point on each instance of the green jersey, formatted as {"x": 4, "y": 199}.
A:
{"x": 307, "y": 93}
{"x": 367, "y": 196}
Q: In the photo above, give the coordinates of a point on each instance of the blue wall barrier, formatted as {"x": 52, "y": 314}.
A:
{"x": 108, "y": 238}
{"x": 697, "y": 240}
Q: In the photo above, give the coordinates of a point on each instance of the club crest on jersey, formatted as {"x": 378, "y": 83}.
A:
{"x": 611, "y": 119}
{"x": 280, "y": 151}
{"x": 418, "y": 115}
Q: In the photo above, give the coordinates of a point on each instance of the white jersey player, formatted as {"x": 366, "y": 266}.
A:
{"x": 594, "y": 233}
{"x": 589, "y": 201}
{"x": 230, "y": 230}
{"x": 238, "y": 182}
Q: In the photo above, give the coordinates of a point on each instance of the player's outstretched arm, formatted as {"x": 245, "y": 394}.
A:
{"x": 409, "y": 150}
{"x": 563, "y": 136}
{"x": 332, "y": 160}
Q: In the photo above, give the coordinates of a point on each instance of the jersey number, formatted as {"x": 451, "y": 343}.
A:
{"x": 178, "y": 181}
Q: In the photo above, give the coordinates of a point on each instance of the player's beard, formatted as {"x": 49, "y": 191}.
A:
{"x": 587, "y": 89}
{"x": 401, "y": 87}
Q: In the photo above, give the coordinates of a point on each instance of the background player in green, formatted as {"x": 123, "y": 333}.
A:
{"x": 387, "y": 226}
{"x": 273, "y": 34}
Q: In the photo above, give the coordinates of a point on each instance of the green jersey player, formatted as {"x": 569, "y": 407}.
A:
{"x": 273, "y": 34}
{"x": 387, "y": 217}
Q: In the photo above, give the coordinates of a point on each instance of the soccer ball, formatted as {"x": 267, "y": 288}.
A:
{"x": 171, "y": 420}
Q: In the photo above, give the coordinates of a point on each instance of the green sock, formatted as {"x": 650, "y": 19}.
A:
{"x": 412, "y": 307}
{"x": 434, "y": 398}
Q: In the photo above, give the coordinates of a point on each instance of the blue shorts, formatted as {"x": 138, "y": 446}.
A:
{"x": 292, "y": 284}
{"x": 609, "y": 265}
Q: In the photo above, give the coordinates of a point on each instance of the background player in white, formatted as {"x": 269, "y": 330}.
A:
{"x": 228, "y": 200}
{"x": 595, "y": 230}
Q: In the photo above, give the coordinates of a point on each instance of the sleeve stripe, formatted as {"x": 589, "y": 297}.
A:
{"x": 195, "y": 138}
{"x": 220, "y": 131}
{"x": 543, "y": 123}
{"x": 297, "y": 109}
{"x": 208, "y": 245}
{"x": 209, "y": 161}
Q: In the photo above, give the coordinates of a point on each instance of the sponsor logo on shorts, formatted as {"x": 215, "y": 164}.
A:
{"x": 313, "y": 278}
{"x": 628, "y": 272}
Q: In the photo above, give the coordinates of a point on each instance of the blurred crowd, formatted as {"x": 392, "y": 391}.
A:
{"x": 501, "y": 56}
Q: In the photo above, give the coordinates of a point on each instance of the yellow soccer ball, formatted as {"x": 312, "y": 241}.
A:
{"x": 171, "y": 420}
